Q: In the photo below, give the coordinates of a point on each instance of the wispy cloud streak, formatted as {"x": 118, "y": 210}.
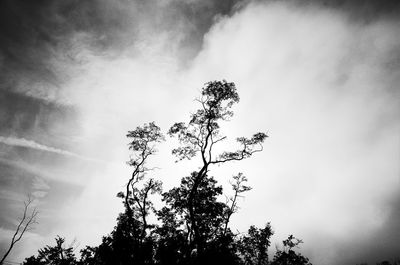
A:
{"x": 22, "y": 142}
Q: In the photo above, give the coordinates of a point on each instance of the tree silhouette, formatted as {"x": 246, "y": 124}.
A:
{"x": 132, "y": 225}
{"x": 124, "y": 245}
{"x": 193, "y": 225}
{"x": 253, "y": 247}
{"x": 53, "y": 255}
{"x": 238, "y": 188}
{"x": 287, "y": 255}
{"x": 201, "y": 135}
{"x": 25, "y": 224}
{"x": 143, "y": 140}
{"x": 209, "y": 212}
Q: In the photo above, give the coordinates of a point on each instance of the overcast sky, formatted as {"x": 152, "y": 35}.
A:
{"x": 321, "y": 78}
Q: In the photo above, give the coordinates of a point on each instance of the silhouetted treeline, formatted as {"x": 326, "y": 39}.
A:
{"x": 194, "y": 223}
{"x": 393, "y": 262}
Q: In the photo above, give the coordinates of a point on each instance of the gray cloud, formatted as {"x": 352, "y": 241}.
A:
{"x": 39, "y": 120}
{"x": 371, "y": 248}
{"x": 363, "y": 11}
{"x": 44, "y": 43}
{"x": 40, "y": 40}
{"x": 16, "y": 181}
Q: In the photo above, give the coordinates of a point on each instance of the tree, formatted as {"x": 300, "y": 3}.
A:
{"x": 130, "y": 242}
{"x": 122, "y": 246}
{"x": 287, "y": 255}
{"x": 143, "y": 140}
{"x": 253, "y": 247}
{"x": 193, "y": 225}
{"x": 238, "y": 188}
{"x": 88, "y": 256}
{"x": 53, "y": 255}
{"x": 25, "y": 224}
{"x": 209, "y": 211}
{"x": 200, "y": 136}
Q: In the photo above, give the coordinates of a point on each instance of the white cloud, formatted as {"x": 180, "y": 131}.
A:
{"x": 321, "y": 85}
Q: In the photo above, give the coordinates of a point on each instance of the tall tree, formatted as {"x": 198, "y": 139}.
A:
{"x": 200, "y": 136}
{"x": 143, "y": 144}
{"x": 133, "y": 225}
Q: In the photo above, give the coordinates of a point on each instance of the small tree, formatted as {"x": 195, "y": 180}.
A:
{"x": 53, "y": 255}
{"x": 238, "y": 188}
{"x": 253, "y": 247}
{"x": 25, "y": 224}
{"x": 88, "y": 256}
{"x": 287, "y": 255}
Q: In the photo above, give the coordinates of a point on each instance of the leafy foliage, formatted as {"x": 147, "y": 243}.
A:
{"x": 253, "y": 247}
{"x": 287, "y": 256}
{"x": 53, "y": 255}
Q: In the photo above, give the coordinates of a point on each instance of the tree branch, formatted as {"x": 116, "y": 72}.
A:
{"x": 25, "y": 224}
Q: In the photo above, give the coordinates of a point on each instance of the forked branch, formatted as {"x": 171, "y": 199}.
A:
{"x": 25, "y": 224}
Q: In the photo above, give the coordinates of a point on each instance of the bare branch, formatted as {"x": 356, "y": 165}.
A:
{"x": 25, "y": 224}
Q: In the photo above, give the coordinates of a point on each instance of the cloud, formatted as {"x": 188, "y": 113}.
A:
{"x": 322, "y": 78}
{"x": 324, "y": 86}
{"x": 42, "y": 46}
{"x": 39, "y": 120}
{"x": 363, "y": 11}
{"x": 21, "y": 142}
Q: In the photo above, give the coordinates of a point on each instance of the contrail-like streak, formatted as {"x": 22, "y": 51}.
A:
{"x": 22, "y": 142}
